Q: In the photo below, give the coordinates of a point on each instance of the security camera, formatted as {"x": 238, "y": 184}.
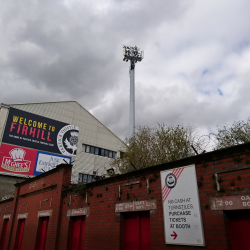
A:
{"x": 111, "y": 172}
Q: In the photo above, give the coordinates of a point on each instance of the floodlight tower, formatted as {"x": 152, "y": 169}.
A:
{"x": 134, "y": 55}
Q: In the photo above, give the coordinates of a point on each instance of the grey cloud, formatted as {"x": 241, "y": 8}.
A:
{"x": 57, "y": 50}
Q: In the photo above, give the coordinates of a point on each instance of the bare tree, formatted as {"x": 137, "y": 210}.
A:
{"x": 153, "y": 146}
{"x": 235, "y": 134}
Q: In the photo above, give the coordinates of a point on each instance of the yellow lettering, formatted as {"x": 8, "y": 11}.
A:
{"x": 39, "y": 124}
{"x": 25, "y": 122}
{"x": 15, "y": 118}
{"x": 53, "y": 129}
{"x": 21, "y": 120}
{"x": 34, "y": 124}
{"x": 30, "y": 123}
{"x": 44, "y": 126}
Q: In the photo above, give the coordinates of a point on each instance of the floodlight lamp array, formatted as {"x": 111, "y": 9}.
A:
{"x": 132, "y": 53}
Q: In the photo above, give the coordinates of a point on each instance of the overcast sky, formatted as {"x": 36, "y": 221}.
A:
{"x": 196, "y": 68}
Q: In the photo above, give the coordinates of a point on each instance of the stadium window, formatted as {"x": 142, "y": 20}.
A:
{"x": 110, "y": 154}
{"x": 99, "y": 151}
{"x": 96, "y": 151}
{"x": 106, "y": 153}
{"x": 121, "y": 155}
{"x": 102, "y": 152}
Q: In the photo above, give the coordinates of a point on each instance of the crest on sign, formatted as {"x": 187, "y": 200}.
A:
{"x": 171, "y": 180}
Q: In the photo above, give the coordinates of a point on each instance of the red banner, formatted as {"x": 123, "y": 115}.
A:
{"x": 18, "y": 160}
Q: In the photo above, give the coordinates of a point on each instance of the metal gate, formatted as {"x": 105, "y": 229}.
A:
{"x": 42, "y": 233}
{"x": 4, "y": 233}
{"x": 239, "y": 224}
{"x": 77, "y": 233}
{"x": 19, "y": 237}
{"x": 136, "y": 231}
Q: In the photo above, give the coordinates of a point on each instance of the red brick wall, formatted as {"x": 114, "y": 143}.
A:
{"x": 214, "y": 223}
{"x": 7, "y": 207}
{"x": 30, "y": 198}
{"x": 103, "y": 225}
{"x": 103, "y": 228}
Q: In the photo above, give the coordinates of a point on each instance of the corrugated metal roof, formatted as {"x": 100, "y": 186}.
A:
{"x": 25, "y": 103}
{"x": 16, "y": 175}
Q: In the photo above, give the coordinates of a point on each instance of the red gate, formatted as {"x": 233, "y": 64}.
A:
{"x": 4, "y": 233}
{"x": 239, "y": 224}
{"x": 77, "y": 233}
{"x": 19, "y": 236}
{"x": 42, "y": 232}
{"x": 136, "y": 231}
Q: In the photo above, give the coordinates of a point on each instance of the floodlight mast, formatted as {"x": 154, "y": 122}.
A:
{"x": 134, "y": 55}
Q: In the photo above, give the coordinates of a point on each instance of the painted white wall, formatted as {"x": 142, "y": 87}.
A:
{"x": 3, "y": 117}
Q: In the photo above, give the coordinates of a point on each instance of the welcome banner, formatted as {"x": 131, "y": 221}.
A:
{"x": 38, "y": 132}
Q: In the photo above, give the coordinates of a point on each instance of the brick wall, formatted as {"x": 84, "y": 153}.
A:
{"x": 214, "y": 222}
{"x": 41, "y": 193}
{"x": 7, "y": 208}
{"x": 103, "y": 226}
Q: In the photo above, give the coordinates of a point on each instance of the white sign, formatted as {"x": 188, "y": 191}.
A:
{"x": 48, "y": 161}
{"x": 181, "y": 207}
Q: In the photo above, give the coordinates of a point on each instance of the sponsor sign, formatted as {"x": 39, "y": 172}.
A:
{"x": 6, "y": 216}
{"x": 136, "y": 206}
{"x": 181, "y": 207}
{"x": 14, "y": 159}
{"x": 233, "y": 202}
{"x": 44, "y": 213}
{"x": 48, "y": 161}
{"x": 41, "y": 133}
{"x": 78, "y": 211}
{"x": 22, "y": 216}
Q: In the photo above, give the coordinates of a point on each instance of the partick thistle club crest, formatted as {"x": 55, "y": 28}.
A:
{"x": 72, "y": 142}
{"x": 67, "y": 140}
{"x": 170, "y": 180}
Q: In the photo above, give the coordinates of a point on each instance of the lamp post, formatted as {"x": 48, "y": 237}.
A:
{"x": 134, "y": 55}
